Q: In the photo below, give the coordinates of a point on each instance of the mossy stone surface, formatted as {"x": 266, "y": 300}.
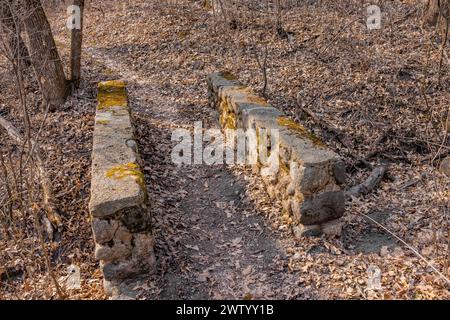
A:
{"x": 127, "y": 170}
{"x": 113, "y": 161}
{"x": 299, "y": 129}
{"x": 112, "y": 94}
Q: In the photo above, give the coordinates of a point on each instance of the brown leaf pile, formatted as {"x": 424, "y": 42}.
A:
{"x": 379, "y": 87}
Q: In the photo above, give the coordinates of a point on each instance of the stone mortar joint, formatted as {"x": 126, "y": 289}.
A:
{"x": 308, "y": 182}
{"x": 119, "y": 204}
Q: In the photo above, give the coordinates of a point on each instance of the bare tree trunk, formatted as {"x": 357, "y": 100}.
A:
{"x": 431, "y": 12}
{"x": 435, "y": 12}
{"x": 46, "y": 182}
{"x": 14, "y": 45}
{"x": 44, "y": 54}
{"x": 75, "y": 50}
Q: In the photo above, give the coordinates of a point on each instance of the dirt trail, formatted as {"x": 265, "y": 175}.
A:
{"x": 211, "y": 241}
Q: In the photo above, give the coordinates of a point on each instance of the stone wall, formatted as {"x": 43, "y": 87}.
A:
{"x": 310, "y": 174}
{"x": 119, "y": 202}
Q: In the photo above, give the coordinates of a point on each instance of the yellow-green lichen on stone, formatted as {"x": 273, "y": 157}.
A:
{"x": 257, "y": 100}
{"x": 284, "y": 168}
{"x": 240, "y": 89}
{"x": 112, "y": 94}
{"x": 299, "y": 198}
{"x": 227, "y": 116}
{"x": 227, "y": 75}
{"x": 301, "y": 130}
{"x": 104, "y": 122}
{"x": 230, "y": 123}
{"x": 127, "y": 170}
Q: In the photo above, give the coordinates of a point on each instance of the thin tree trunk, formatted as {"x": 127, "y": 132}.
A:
{"x": 14, "y": 44}
{"x": 436, "y": 11}
{"x": 431, "y": 12}
{"x": 44, "y": 54}
{"x": 46, "y": 182}
{"x": 75, "y": 50}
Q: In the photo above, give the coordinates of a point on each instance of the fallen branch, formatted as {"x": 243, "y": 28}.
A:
{"x": 49, "y": 203}
{"x": 406, "y": 16}
{"x": 263, "y": 67}
{"x": 328, "y": 127}
{"x": 331, "y": 42}
{"x": 413, "y": 182}
{"x": 369, "y": 184}
{"x": 376, "y": 149}
{"x": 439, "y": 155}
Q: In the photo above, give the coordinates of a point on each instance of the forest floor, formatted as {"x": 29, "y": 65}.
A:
{"x": 217, "y": 233}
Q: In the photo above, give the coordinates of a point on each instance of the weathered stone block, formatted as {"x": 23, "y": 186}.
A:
{"x": 119, "y": 202}
{"x": 116, "y": 251}
{"x": 136, "y": 219}
{"x": 306, "y": 231}
{"x": 117, "y": 180}
{"x": 141, "y": 258}
{"x": 332, "y": 228}
{"x": 445, "y": 166}
{"x": 218, "y": 80}
{"x": 123, "y": 235}
{"x": 339, "y": 172}
{"x": 104, "y": 230}
{"x": 260, "y": 118}
{"x": 321, "y": 208}
{"x": 120, "y": 270}
{"x": 143, "y": 247}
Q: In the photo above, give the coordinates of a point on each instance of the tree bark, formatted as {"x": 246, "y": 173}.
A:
{"x": 13, "y": 42}
{"x": 75, "y": 50}
{"x": 434, "y": 9}
{"x": 44, "y": 54}
{"x": 46, "y": 183}
{"x": 431, "y": 12}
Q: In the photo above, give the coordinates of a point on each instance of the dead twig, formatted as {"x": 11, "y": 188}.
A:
{"x": 444, "y": 42}
{"x": 332, "y": 41}
{"x": 48, "y": 197}
{"x": 447, "y": 280}
{"x": 439, "y": 155}
{"x": 327, "y": 126}
{"x": 263, "y": 67}
{"x": 412, "y": 182}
